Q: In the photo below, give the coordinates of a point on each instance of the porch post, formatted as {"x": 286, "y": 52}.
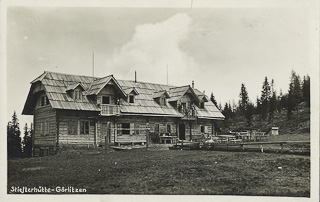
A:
{"x": 190, "y": 125}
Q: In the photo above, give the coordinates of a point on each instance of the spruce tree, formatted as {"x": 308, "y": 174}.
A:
{"x": 306, "y": 90}
{"x": 212, "y": 98}
{"x": 27, "y": 141}
{"x": 294, "y": 94}
{"x": 273, "y": 101}
{"x": 265, "y": 98}
{"x": 244, "y": 99}
{"x": 13, "y": 138}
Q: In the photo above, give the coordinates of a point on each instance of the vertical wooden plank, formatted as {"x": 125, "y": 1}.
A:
{"x": 95, "y": 133}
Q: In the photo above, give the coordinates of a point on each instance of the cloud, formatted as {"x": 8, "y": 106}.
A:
{"x": 42, "y": 58}
{"x": 25, "y": 37}
{"x": 152, "y": 48}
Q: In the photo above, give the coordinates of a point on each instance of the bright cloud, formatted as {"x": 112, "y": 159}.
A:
{"x": 153, "y": 47}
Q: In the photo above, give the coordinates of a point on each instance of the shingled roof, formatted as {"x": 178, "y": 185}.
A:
{"x": 57, "y": 84}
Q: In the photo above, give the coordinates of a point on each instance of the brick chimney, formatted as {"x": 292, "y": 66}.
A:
{"x": 135, "y": 76}
{"x": 192, "y": 84}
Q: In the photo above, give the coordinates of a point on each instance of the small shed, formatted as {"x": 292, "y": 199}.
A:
{"x": 275, "y": 131}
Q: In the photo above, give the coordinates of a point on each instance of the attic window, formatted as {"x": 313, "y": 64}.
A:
{"x": 44, "y": 101}
{"x": 77, "y": 95}
{"x": 131, "y": 98}
{"x": 163, "y": 101}
{"x": 202, "y": 105}
{"x": 105, "y": 99}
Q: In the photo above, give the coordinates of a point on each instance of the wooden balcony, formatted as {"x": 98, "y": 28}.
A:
{"x": 189, "y": 114}
{"x": 109, "y": 110}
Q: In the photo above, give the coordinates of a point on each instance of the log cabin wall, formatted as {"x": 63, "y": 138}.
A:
{"x": 137, "y": 128}
{"x": 77, "y": 127}
{"x": 196, "y": 131}
{"x": 45, "y": 134}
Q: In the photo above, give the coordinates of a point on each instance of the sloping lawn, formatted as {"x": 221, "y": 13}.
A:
{"x": 166, "y": 172}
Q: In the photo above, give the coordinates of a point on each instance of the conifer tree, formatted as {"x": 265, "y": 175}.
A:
{"x": 27, "y": 141}
{"x": 265, "y": 98}
{"x": 306, "y": 90}
{"x": 273, "y": 101}
{"x": 13, "y": 137}
{"x": 212, "y": 98}
{"x": 294, "y": 94}
{"x": 244, "y": 99}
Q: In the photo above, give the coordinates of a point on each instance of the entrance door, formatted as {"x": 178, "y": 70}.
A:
{"x": 182, "y": 132}
{"x": 106, "y": 132}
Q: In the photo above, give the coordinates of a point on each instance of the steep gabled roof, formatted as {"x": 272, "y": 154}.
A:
{"x": 128, "y": 90}
{"x": 201, "y": 96}
{"x": 56, "y": 84}
{"x": 160, "y": 93}
{"x": 177, "y": 92}
{"x": 74, "y": 86}
{"x": 98, "y": 84}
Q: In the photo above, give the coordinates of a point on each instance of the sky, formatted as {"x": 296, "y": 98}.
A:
{"x": 217, "y": 48}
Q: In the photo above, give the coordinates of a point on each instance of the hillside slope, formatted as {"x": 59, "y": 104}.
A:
{"x": 299, "y": 123}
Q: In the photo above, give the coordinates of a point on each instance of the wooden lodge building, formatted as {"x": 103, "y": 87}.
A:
{"x": 83, "y": 110}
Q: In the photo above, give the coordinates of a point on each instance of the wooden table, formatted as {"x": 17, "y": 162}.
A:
{"x": 164, "y": 139}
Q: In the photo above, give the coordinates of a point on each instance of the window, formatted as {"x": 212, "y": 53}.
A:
{"x": 131, "y": 98}
{"x": 163, "y": 101}
{"x": 46, "y": 128}
{"x": 202, "y": 105}
{"x": 42, "y": 100}
{"x": 168, "y": 128}
{"x": 41, "y": 129}
{"x": 125, "y": 128}
{"x": 77, "y": 95}
{"x": 156, "y": 127}
{"x": 105, "y": 99}
{"x": 202, "y": 129}
{"x": 47, "y": 101}
{"x": 84, "y": 127}
{"x": 72, "y": 127}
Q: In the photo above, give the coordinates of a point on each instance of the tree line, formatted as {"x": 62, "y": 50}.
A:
{"x": 269, "y": 102}
{"x": 17, "y": 147}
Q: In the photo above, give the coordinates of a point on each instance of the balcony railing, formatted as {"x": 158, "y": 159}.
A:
{"x": 108, "y": 110}
{"x": 189, "y": 114}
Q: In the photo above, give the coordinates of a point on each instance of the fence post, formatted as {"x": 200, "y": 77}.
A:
{"x": 147, "y": 136}
{"x": 107, "y": 143}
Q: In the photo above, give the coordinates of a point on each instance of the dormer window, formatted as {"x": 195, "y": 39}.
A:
{"x": 201, "y": 105}
{"x": 44, "y": 101}
{"x": 75, "y": 90}
{"x": 105, "y": 99}
{"x": 161, "y": 97}
{"x": 77, "y": 95}
{"x": 131, "y": 98}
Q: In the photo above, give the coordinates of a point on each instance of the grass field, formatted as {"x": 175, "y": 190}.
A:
{"x": 166, "y": 172}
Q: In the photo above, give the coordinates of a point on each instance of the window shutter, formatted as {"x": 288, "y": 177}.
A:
{"x": 119, "y": 132}
{"x": 132, "y": 132}
{"x": 206, "y": 129}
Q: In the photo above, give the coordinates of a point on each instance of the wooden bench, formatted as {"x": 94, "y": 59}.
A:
{"x": 130, "y": 142}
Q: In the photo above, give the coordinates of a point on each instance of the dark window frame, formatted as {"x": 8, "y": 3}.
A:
{"x": 84, "y": 127}
{"x": 168, "y": 128}
{"x": 201, "y": 105}
{"x": 202, "y": 128}
{"x": 156, "y": 127}
{"x": 77, "y": 94}
{"x": 131, "y": 99}
{"x": 106, "y": 97}
{"x": 125, "y": 128}
{"x": 73, "y": 127}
